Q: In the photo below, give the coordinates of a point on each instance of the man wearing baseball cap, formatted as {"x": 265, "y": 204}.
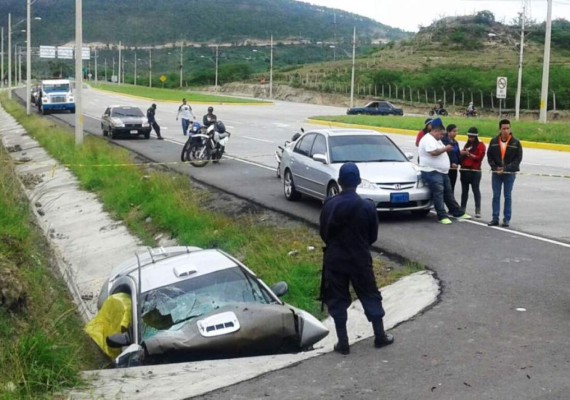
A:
{"x": 434, "y": 166}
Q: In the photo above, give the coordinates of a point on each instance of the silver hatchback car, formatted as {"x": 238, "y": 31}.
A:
{"x": 389, "y": 178}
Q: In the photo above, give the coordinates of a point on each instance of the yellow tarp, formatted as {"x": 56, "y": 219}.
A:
{"x": 114, "y": 317}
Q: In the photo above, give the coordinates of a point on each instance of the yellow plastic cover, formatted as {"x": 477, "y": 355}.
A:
{"x": 114, "y": 317}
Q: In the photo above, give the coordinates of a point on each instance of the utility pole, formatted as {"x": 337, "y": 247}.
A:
{"x": 149, "y": 68}
{"x": 135, "y": 68}
{"x": 216, "y": 83}
{"x": 519, "y": 81}
{"x": 353, "y": 65}
{"x": 546, "y": 66}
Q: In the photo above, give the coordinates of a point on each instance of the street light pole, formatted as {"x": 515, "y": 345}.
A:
{"x": 96, "y": 77}
{"x": 216, "y": 83}
{"x": 78, "y": 72}
{"x": 135, "y": 68}
{"x": 271, "y": 71}
{"x": 353, "y": 64}
{"x": 2, "y": 72}
{"x": 149, "y": 68}
{"x": 546, "y": 65}
{"x": 120, "y": 64}
{"x": 9, "y": 55}
{"x": 181, "y": 48}
{"x": 28, "y": 58}
{"x": 519, "y": 81}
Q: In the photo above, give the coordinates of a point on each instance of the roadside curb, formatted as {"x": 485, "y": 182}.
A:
{"x": 409, "y": 132}
{"x": 220, "y": 103}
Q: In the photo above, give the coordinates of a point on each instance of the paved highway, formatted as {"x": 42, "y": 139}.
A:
{"x": 500, "y": 329}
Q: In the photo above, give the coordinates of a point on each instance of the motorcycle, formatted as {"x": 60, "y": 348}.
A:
{"x": 471, "y": 113}
{"x": 280, "y": 149}
{"x": 442, "y": 112}
{"x": 208, "y": 146}
{"x": 194, "y": 129}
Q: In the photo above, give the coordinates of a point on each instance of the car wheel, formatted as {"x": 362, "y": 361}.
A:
{"x": 289, "y": 190}
{"x": 333, "y": 189}
{"x": 147, "y": 135}
{"x": 114, "y": 134}
{"x": 105, "y": 133}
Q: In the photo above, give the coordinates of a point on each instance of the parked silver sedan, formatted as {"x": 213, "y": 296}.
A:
{"x": 388, "y": 176}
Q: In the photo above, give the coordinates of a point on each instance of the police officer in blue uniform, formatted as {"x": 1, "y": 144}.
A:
{"x": 348, "y": 226}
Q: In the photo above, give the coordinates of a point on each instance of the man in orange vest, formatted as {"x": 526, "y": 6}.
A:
{"x": 504, "y": 155}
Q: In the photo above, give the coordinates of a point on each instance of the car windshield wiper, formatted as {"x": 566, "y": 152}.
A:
{"x": 384, "y": 160}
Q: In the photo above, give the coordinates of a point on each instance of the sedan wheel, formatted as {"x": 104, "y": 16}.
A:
{"x": 333, "y": 190}
{"x": 289, "y": 190}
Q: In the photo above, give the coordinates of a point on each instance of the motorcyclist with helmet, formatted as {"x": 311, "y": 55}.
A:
{"x": 209, "y": 118}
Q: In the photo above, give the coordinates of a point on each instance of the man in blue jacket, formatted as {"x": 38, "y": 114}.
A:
{"x": 348, "y": 226}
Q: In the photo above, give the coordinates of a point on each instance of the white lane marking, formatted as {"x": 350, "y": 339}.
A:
{"x": 281, "y": 125}
{"x": 259, "y": 140}
{"x": 527, "y": 235}
{"x": 250, "y": 162}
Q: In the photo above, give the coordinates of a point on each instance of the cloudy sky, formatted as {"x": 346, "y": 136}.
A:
{"x": 409, "y": 14}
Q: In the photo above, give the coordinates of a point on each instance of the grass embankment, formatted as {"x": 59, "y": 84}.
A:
{"x": 42, "y": 345}
{"x": 553, "y": 132}
{"x": 174, "y": 95}
{"x": 151, "y": 201}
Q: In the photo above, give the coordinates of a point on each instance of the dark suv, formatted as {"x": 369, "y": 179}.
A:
{"x": 124, "y": 121}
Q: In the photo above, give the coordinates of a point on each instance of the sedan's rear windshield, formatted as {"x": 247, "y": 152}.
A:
{"x": 165, "y": 307}
{"x": 127, "y": 112}
{"x": 364, "y": 148}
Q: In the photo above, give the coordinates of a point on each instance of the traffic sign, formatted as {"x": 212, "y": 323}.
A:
{"x": 502, "y": 87}
{"x": 162, "y": 78}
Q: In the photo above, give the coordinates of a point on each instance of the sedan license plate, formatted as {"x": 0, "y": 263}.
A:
{"x": 134, "y": 131}
{"x": 399, "y": 198}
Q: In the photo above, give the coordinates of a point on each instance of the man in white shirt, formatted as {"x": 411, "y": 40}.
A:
{"x": 434, "y": 166}
{"x": 185, "y": 112}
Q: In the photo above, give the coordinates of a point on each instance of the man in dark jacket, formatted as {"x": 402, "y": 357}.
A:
{"x": 151, "y": 116}
{"x": 504, "y": 155}
{"x": 209, "y": 118}
{"x": 348, "y": 226}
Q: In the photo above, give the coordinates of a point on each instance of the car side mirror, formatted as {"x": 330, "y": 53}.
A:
{"x": 320, "y": 158}
{"x": 118, "y": 340}
{"x": 409, "y": 156}
{"x": 280, "y": 289}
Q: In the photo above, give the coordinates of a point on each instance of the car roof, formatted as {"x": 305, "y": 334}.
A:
{"x": 55, "y": 81}
{"x": 175, "y": 264}
{"x": 346, "y": 132}
{"x": 123, "y": 106}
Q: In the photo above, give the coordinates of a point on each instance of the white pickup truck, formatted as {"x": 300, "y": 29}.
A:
{"x": 55, "y": 95}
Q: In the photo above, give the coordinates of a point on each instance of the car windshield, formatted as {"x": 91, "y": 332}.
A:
{"x": 61, "y": 87}
{"x": 127, "y": 112}
{"x": 364, "y": 148}
{"x": 169, "y": 307}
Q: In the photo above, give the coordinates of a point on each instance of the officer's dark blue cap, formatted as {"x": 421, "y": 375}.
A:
{"x": 349, "y": 175}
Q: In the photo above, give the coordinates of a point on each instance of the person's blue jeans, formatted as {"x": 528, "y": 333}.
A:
{"x": 185, "y": 126}
{"x": 442, "y": 194}
{"x": 502, "y": 182}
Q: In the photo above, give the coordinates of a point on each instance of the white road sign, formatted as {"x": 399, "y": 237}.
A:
{"x": 85, "y": 53}
{"x": 65, "y": 52}
{"x": 47, "y": 51}
{"x": 502, "y": 87}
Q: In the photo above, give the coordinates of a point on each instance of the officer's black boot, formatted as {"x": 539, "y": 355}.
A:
{"x": 381, "y": 338}
{"x": 342, "y": 345}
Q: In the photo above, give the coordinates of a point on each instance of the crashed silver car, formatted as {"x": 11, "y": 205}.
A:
{"x": 189, "y": 304}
